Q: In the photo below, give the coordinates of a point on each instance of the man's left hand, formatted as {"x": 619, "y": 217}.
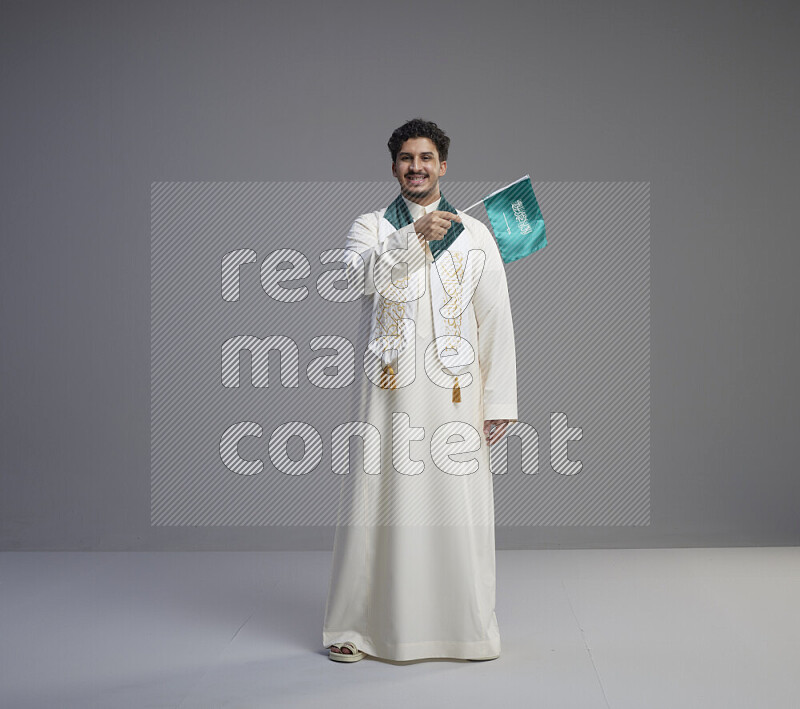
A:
{"x": 500, "y": 426}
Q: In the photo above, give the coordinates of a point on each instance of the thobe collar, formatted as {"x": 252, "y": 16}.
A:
{"x": 417, "y": 211}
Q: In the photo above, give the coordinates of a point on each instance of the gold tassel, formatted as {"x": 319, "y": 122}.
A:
{"x": 456, "y": 392}
{"x": 388, "y": 380}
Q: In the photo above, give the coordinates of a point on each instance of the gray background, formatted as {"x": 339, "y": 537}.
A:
{"x": 101, "y": 99}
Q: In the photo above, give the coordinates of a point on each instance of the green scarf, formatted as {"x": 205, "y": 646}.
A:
{"x": 398, "y": 216}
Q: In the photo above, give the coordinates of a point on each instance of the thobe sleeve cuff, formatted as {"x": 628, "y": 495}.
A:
{"x": 499, "y": 411}
{"x": 401, "y": 246}
{"x": 404, "y": 239}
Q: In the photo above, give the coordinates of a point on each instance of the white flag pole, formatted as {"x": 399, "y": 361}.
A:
{"x": 524, "y": 177}
{"x": 480, "y": 201}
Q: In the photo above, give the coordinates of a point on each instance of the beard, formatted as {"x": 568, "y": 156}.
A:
{"x": 414, "y": 192}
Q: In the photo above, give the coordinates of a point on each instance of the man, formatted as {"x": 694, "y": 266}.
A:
{"x": 414, "y": 565}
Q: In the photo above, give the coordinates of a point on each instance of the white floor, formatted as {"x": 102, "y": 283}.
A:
{"x": 627, "y": 629}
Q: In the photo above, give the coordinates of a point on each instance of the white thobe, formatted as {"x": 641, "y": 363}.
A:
{"x": 413, "y": 572}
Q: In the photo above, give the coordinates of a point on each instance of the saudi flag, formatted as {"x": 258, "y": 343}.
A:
{"x": 516, "y": 220}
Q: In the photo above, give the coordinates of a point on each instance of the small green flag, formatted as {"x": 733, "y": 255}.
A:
{"x": 516, "y": 220}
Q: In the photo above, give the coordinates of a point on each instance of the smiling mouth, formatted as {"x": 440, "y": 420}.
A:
{"x": 417, "y": 180}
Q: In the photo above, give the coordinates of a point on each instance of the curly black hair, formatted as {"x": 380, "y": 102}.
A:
{"x": 419, "y": 128}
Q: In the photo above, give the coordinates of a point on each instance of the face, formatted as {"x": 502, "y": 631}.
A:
{"x": 418, "y": 169}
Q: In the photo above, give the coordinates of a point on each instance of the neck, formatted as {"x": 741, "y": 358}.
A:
{"x": 426, "y": 200}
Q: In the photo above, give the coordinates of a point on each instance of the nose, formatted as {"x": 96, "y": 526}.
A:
{"x": 416, "y": 165}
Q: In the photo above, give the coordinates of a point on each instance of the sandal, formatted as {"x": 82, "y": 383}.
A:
{"x": 353, "y": 656}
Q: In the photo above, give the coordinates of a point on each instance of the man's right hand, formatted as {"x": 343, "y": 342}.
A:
{"x": 433, "y": 226}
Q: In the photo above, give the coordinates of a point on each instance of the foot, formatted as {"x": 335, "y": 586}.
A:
{"x": 343, "y": 650}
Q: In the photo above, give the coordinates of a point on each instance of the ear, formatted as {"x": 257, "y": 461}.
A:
{"x": 442, "y": 167}
{"x": 394, "y": 171}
